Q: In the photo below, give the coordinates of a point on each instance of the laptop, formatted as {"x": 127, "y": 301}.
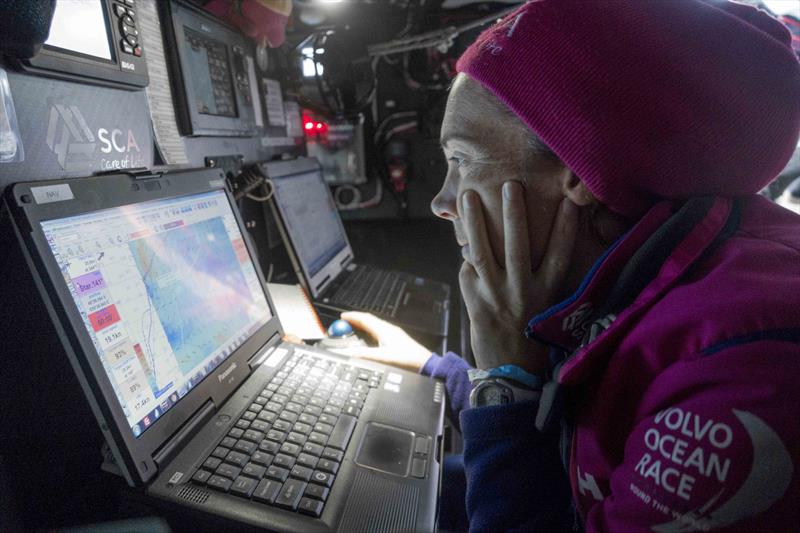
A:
{"x": 313, "y": 233}
{"x": 163, "y": 313}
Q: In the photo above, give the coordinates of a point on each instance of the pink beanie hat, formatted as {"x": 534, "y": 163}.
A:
{"x": 646, "y": 100}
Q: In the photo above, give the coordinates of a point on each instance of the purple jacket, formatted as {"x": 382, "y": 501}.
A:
{"x": 684, "y": 412}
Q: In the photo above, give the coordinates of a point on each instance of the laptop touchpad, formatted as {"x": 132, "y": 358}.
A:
{"x": 386, "y": 449}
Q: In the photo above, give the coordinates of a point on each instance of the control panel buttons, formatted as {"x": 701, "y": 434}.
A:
{"x": 119, "y": 10}
{"x": 137, "y": 51}
{"x": 128, "y": 49}
{"x": 128, "y": 20}
{"x": 127, "y": 30}
{"x": 132, "y": 40}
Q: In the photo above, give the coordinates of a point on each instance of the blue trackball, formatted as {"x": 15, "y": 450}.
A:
{"x": 339, "y": 329}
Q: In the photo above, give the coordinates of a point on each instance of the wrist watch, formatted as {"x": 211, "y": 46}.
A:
{"x": 499, "y": 391}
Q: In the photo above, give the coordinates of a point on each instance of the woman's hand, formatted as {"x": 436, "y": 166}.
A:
{"x": 395, "y": 346}
{"x": 500, "y": 301}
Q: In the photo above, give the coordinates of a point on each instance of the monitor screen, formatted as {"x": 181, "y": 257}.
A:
{"x": 311, "y": 219}
{"x": 210, "y": 75}
{"x": 167, "y": 291}
{"x": 80, "y": 26}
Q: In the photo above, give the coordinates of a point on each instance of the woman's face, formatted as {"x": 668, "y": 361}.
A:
{"x": 485, "y": 148}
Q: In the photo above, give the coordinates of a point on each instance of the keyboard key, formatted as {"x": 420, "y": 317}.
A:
{"x": 266, "y": 491}
{"x": 276, "y": 472}
{"x": 256, "y": 407}
{"x": 294, "y": 407}
{"x": 228, "y": 442}
{"x": 267, "y": 416}
{"x": 313, "y": 410}
{"x": 243, "y": 486}
{"x": 341, "y": 433}
{"x": 325, "y": 429}
{"x": 301, "y": 472}
{"x": 283, "y": 460}
{"x": 328, "y": 419}
{"x": 288, "y": 416}
{"x": 318, "y": 492}
{"x": 262, "y": 458}
{"x": 327, "y": 465}
{"x": 273, "y": 406}
{"x": 242, "y": 424}
{"x": 322, "y": 478}
{"x": 316, "y": 401}
{"x": 248, "y": 415}
{"x": 333, "y": 455}
{"x": 275, "y": 435}
{"x": 310, "y": 507}
{"x": 236, "y": 433}
{"x": 351, "y": 410}
{"x": 268, "y": 446}
{"x": 312, "y": 449}
{"x": 261, "y": 400}
{"x": 282, "y": 425}
{"x": 300, "y": 427}
{"x": 318, "y": 438}
{"x": 245, "y": 446}
{"x": 228, "y": 471}
{"x": 280, "y": 398}
{"x": 290, "y": 494}
{"x": 331, "y": 410}
{"x": 220, "y": 452}
{"x": 219, "y": 483}
{"x": 253, "y": 435}
{"x": 296, "y": 438}
{"x": 212, "y": 463}
{"x": 290, "y": 449}
{"x": 306, "y": 418}
{"x": 254, "y": 470}
{"x": 301, "y": 399}
{"x": 236, "y": 458}
{"x": 201, "y": 476}
{"x": 259, "y": 425}
{"x": 307, "y": 459}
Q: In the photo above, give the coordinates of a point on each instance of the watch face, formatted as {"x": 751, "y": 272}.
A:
{"x": 492, "y": 395}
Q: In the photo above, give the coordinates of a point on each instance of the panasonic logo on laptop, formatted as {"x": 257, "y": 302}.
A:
{"x": 227, "y": 372}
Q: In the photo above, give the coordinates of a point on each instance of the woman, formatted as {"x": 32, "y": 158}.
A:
{"x": 605, "y": 160}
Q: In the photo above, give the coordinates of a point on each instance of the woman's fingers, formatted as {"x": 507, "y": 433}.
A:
{"x": 515, "y": 231}
{"x": 555, "y": 264}
{"x": 481, "y": 256}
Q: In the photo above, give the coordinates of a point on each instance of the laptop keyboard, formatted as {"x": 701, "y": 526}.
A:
{"x": 371, "y": 289}
{"x": 286, "y": 448}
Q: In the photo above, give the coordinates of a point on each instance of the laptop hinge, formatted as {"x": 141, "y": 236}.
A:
{"x": 260, "y": 355}
{"x": 186, "y": 432}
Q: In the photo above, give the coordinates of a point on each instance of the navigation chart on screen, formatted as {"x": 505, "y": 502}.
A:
{"x": 166, "y": 290}
{"x": 195, "y": 286}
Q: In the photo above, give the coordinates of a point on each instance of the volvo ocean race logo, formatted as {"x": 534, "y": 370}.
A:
{"x": 75, "y": 144}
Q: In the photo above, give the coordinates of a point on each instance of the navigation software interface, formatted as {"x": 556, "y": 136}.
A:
{"x": 167, "y": 291}
{"x": 311, "y": 219}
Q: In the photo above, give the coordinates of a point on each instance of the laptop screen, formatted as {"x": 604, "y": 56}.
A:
{"x": 167, "y": 291}
{"x": 311, "y": 219}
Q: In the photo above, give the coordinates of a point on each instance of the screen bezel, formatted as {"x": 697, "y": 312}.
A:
{"x": 60, "y": 63}
{"x": 317, "y": 283}
{"x": 136, "y": 455}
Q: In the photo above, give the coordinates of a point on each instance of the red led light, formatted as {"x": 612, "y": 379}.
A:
{"x": 319, "y": 125}
{"x": 309, "y": 125}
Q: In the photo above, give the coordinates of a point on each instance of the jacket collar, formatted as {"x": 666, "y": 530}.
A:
{"x": 564, "y": 325}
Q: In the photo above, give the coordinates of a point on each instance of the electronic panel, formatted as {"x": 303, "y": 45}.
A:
{"x": 208, "y": 63}
{"x": 93, "y": 41}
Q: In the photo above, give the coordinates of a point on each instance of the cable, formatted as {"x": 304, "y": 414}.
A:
{"x": 434, "y": 38}
{"x": 267, "y": 183}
